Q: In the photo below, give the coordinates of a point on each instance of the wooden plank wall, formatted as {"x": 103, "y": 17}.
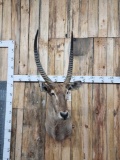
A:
{"x": 95, "y": 107}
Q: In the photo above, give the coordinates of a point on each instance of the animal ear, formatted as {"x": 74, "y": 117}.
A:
{"x": 74, "y": 85}
{"x": 45, "y": 87}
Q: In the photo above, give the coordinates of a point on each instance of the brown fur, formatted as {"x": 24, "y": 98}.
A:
{"x": 56, "y": 127}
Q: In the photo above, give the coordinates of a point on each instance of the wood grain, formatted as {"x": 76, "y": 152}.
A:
{"x": 43, "y": 44}
{"x": 86, "y": 68}
{"x": 52, "y": 19}
{"x": 49, "y": 150}
{"x": 68, "y": 23}
{"x": 83, "y": 19}
{"x": 66, "y": 55}
{"x": 16, "y": 10}
{"x": 60, "y": 18}
{"x": 76, "y": 144}
{"x": 13, "y": 131}
{"x": 5, "y": 35}
{"x": 19, "y": 130}
{"x": 116, "y": 99}
{"x": 18, "y": 88}
{"x": 103, "y": 19}
{"x": 66, "y": 144}
{"x": 6, "y": 31}
{"x": 3, "y": 64}
{"x": 34, "y": 14}
{"x": 18, "y": 95}
{"x": 1, "y": 13}
{"x": 43, "y": 50}
{"x": 93, "y": 18}
{"x": 110, "y": 102}
{"x": 51, "y": 56}
{"x": 23, "y": 67}
{"x": 18, "y": 104}
{"x": 75, "y": 17}
{"x": 59, "y": 57}
{"x": 99, "y": 101}
{"x": 58, "y": 71}
{"x": 31, "y": 146}
{"x": 113, "y": 25}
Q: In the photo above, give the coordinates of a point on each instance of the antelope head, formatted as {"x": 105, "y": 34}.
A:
{"x": 58, "y": 118}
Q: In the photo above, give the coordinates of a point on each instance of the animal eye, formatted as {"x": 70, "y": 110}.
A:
{"x": 52, "y": 94}
{"x": 69, "y": 88}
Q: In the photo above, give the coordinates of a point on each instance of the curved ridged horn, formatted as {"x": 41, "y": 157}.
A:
{"x": 38, "y": 63}
{"x": 70, "y": 66}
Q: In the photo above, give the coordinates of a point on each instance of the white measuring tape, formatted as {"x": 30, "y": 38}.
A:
{"x": 34, "y": 78}
{"x": 84, "y": 79}
{"x": 9, "y": 96}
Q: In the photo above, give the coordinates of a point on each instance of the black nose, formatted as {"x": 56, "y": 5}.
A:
{"x": 64, "y": 115}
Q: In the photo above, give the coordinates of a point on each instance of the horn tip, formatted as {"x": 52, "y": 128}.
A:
{"x": 37, "y": 31}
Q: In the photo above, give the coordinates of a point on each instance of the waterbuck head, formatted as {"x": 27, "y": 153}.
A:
{"x": 58, "y": 119}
